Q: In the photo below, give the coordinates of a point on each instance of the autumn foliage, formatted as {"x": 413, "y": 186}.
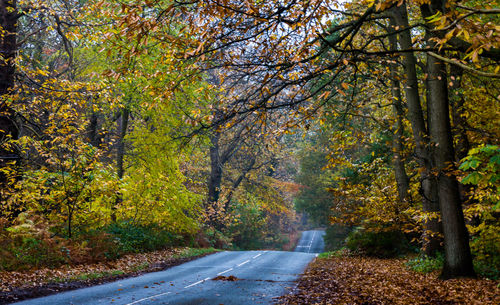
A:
{"x": 358, "y": 280}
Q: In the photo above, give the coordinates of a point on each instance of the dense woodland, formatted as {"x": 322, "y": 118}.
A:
{"x": 129, "y": 126}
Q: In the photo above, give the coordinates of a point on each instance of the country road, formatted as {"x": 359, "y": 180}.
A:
{"x": 311, "y": 242}
{"x": 257, "y": 277}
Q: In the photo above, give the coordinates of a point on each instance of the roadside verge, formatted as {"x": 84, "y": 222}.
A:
{"x": 16, "y": 286}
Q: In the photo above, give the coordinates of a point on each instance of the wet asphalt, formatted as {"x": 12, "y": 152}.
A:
{"x": 256, "y": 277}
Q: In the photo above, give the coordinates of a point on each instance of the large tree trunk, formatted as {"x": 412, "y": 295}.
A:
{"x": 458, "y": 258}
{"x": 430, "y": 205}
{"x": 8, "y": 126}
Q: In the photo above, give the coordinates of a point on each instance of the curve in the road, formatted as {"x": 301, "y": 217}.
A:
{"x": 258, "y": 276}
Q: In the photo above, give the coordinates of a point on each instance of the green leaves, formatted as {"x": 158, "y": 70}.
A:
{"x": 482, "y": 164}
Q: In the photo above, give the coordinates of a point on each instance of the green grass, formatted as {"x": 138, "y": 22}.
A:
{"x": 337, "y": 253}
{"x": 140, "y": 267}
{"x": 96, "y": 275}
{"x": 88, "y": 276}
{"x": 190, "y": 252}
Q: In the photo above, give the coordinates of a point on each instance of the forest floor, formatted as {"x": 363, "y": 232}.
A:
{"x": 19, "y": 285}
{"x": 371, "y": 281}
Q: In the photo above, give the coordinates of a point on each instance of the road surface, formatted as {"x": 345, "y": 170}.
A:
{"x": 311, "y": 242}
{"x": 258, "y": 276}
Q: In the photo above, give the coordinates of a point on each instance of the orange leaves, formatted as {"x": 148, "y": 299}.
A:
{"x": 357, "y": 280}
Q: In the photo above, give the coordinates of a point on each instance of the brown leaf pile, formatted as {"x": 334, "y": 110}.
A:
{"x": 230, "y": 278}
{"x": 370, "y": 281}
{"x": 10, "y": 280}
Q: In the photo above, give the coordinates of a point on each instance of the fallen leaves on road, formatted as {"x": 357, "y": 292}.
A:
{"x": 230, "y": 278}
{"x": 370, "y": 281}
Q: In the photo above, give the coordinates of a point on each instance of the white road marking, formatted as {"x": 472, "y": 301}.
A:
{"x": 151, "y": 297}
{"x": 239, "y": 265}
{"x": 199, "y": 282}
{"x": 311, "y": 242}
{"x": 225, "y": 271}
{"x": 204, "y": 280}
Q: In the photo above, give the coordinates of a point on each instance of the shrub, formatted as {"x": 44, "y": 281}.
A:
{"x": 426, "y": 264}
{"x": 335, "y": 236}
{"x": 377, "y": 244}
{"x": 141, "y": 238}
{"x": 29, "y": 243}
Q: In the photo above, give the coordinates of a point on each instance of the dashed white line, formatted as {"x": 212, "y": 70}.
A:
{"x": 151, "y": 297}
{"x": 199, "y": 282}
{"x": 225, "y": 271}
{"x": 311, "y": 242}
{"x": 239, "y": 265}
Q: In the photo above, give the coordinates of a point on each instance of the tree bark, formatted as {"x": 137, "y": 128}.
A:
{"x": 9, "y": 156}
{"x": 432, "y": 227}
{"x": 459, "y": 124}
{"x": 458, "y": 258}
{"x": 215, "y": 179}
{"x": 402, "y": 181}
{"x": 120, "y": 154}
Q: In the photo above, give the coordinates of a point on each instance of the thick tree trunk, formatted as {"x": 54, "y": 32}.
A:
{"x": 458, "y": 258}
{"x": 432, "y": 226}
{"x": 8, "y": 20}
{"x": 8, "y": 127}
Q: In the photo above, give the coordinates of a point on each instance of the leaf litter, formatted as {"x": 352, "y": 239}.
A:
{"x": 372, "y": 281}
{"x": 20, "y": 285}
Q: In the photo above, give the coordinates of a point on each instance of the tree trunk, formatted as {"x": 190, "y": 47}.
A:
{"x": 458, "y": 258}
{"x": 120, "y": 153}
{"x": 9, "y": 155}
{"x": 215, "y": 179}
{"x": 402, "y": 181}
{"x": 459, "y": 124}
{"x": 214, "y": 182}
{"x": 432, "y": 227}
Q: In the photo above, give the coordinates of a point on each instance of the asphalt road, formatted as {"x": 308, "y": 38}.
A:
{"x": 311, "y": 242}
{"x": 259, "y": 276}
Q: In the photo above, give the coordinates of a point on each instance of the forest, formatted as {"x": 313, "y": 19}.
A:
{"x": 129, "y": 126}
